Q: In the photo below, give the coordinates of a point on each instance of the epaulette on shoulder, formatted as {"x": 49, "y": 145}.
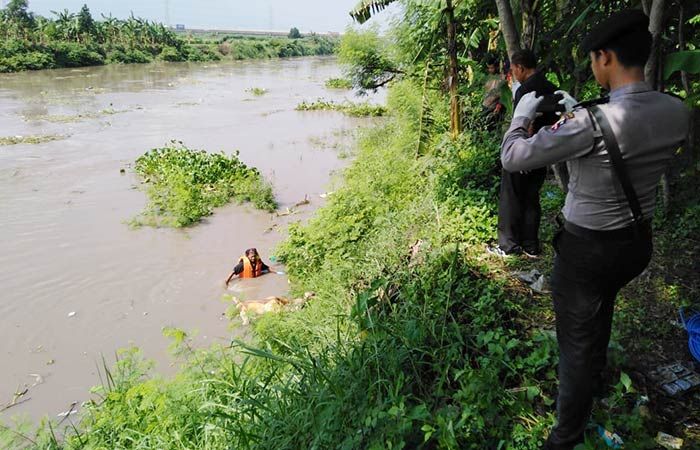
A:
{"x": 592, "y": 102}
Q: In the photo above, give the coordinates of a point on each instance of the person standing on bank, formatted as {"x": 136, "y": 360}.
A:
{"x": 616, "y": 150}
{"x": 519, "y": 209}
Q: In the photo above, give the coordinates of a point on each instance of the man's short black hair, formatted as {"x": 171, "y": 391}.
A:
{"x": 491, "y": 60}
{"x": 525, "y": 58}
{"x": 632, "y": 49}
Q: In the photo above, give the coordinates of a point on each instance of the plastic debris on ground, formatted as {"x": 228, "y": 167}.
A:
{"x": 534, "y": 279}
{"x": 612, "y": 440}
{"x": 675, "y": 379}
{"x": 668, "y": 441}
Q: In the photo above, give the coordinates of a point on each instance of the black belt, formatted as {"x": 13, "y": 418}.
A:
{"x": 635, "y": 231}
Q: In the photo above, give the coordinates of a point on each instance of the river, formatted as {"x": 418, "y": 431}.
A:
{"x": 76, "y": 282}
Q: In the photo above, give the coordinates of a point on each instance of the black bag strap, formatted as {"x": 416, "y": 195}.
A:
{"x": 618, "y": 163}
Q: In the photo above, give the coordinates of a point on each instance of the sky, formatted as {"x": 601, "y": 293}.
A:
{"x": 306, "y": 15}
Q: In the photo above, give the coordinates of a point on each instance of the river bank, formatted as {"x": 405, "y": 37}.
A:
{"x": 32, "y": 42}
{"x": 65, "y": 203}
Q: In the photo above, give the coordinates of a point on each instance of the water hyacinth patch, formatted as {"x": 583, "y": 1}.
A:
{"x": 184, "y": 185}
{"x": 364, "y": 109}
{"x": 338, "y": 83}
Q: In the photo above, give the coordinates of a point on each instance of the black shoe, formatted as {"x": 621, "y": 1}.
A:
{"x": 532, "y": 252}
{"x": 499, "y": 251}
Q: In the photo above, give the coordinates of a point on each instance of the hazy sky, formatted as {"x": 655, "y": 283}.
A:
{"x": 307, "y": 15}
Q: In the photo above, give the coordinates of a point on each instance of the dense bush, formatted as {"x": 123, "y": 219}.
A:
{"x": 171, "y": 54}
{"x": 31, "y": 60}
{"x": 129, "y": 56}
{"x": 72, "y": 54}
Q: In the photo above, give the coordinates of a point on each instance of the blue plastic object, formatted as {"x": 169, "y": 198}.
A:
{"x": 612, "y": 440}
{"x": 692, "y": 326}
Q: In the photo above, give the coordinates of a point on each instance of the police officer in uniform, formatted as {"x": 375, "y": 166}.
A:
{"x": 616, "y": 152}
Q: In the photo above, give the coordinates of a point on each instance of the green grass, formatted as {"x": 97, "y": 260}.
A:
{"x": 184, "y": 185}
{"x": 364, "y": 109}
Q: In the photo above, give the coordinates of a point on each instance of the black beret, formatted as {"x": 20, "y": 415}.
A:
{"x": 615, "y": 26}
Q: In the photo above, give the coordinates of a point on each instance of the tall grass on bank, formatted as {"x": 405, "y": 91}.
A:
{"x": 183, "y": 185}
{"x": 412, "y": 341}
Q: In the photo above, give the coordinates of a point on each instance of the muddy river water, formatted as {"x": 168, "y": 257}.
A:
{"x": 76, "y": 282}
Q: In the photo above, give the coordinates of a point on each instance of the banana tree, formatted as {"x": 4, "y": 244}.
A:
{"x": 366, "y": 8}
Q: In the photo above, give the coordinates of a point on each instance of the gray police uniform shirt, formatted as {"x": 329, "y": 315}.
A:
{"x": 649, "y": 126}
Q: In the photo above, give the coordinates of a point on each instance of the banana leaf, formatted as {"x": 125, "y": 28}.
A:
{"x": 688, "y": 61}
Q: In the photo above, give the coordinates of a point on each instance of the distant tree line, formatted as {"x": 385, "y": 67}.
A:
{"x": 30, "y": 42}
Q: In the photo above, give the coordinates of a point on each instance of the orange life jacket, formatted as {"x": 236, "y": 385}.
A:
{"x": 248, "y": 270}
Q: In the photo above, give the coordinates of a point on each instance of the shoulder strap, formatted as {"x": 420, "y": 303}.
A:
{"x": 592, "y": 102}
{"x": 617, "y": 162}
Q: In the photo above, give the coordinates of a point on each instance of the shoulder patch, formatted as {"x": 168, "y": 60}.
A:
{"x": 562, "y": 121}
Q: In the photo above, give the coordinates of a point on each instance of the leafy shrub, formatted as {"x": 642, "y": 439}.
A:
{"x": 129, "y": 56}
{"x": 12, "y": 47}
{"x": 72, "y": 54}
{"x": 171, "y": 54}
{"x": 32, "y": 60}
{"x": 200, "y": 53}
{"x": 184, "y": 185}
{"x": 293, "y": 48}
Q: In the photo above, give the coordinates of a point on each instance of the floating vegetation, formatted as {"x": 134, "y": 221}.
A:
{"x": 364, "y": 109}
{"x": 257, "y": 91}
{"x": 338, "y": 83}
{"x": 180, "y": 104}
{"x": 72, "y": 118}
{"x": 111, "y": 111}
{"x": 184, "y": 185}
{"x": 37, "y": 139}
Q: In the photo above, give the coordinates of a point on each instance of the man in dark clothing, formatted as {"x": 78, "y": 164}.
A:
{"x": 519, "y": 208}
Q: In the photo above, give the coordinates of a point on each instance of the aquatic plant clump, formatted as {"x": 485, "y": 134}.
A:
{"x": 364, "y": 109}
{"x": 257, "y": 91}
{"x": 338, "y": 83}
{"x": 184, "y": 185}
{"x": 38, "y": 139}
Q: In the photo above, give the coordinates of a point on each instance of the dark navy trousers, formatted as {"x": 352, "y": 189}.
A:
{"x": 588, "y": 273}
{"x": 519, "y": 210}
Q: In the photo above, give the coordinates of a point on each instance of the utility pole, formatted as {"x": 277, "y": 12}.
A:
{"x": 167, "y": 13}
